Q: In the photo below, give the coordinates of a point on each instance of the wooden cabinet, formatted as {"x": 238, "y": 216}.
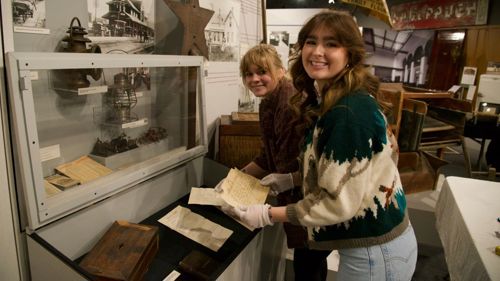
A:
{"x": 239, "y": 140}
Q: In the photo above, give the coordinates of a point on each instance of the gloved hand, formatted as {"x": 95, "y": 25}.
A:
{"x": 218, "y": 187}
{"x": 253, "y": 215}
{"x": 278, "y": 182}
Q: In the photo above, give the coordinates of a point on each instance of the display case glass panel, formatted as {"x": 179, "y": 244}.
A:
{"x": 90, "y": 125}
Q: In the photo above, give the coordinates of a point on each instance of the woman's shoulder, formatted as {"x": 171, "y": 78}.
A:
{"x": 358, "y": 103}
{"x": 358, "y": 98}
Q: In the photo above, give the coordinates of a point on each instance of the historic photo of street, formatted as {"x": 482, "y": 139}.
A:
{"x": 122, "y": 26}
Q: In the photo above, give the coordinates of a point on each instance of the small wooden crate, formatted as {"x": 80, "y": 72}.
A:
{"x": 239, "y": 141}
{"x": 124, "y": 252}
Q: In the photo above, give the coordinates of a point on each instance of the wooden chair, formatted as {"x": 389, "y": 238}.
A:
{"x": 392, "y": 100}
{"x": 418, "y": 170}
{"x": 444, "y": 127}
{"x": 412, "y": 120}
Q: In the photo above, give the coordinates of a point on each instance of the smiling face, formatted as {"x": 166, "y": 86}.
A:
{"x": 322, "y": 56}
{"x": 259, "y": 81}
{"x": 261, "y": 69}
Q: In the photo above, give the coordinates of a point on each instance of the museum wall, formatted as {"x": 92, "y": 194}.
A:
{"x": 222, "y": 85}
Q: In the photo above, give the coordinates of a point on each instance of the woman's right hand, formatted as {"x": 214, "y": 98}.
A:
{"x": 278, "y": 182}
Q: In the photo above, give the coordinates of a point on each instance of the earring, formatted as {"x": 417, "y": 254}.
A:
{"x": 347, "y": 66}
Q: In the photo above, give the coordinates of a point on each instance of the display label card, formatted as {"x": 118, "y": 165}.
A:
{"x": 25, "y": 29}
{"x": 172, "y": 276}
{"x": 34, "y": 75}
{"x": 468, "y": 75}
{"x": 139, "y": 94}
{"x": 454, "y": 89}
{"x": 50, "y": 152}
{"x": 135, "y": 124}
{"x": 470, "y": 92}
{"x": 92, "y": 90}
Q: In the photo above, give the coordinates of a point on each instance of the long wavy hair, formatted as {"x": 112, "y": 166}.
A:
{"x": 353, "y": 77}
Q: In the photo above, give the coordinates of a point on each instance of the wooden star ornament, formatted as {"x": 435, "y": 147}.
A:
{"x": 194, "y": 19}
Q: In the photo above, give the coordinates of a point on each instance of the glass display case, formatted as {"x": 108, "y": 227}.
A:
{"x": 87, "y": 126}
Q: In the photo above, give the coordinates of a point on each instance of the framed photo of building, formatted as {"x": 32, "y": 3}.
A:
{"x": 222, "y": 32}
{"x": 119, "y": 26}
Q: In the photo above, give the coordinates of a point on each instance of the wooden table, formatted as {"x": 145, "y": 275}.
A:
{"x": 426, "y": 95}
{"x": 416, "y": 93}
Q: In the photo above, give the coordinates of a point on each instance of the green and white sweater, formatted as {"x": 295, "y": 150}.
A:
{"x": 352, "y": 191}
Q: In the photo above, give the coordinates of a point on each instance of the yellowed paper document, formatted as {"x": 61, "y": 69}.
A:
{"x": 196, "y": 228}
{"x": 50, "y": 189}
{"x": 205, "y": 196}
{"x": 240, "y": 189}
{"x": 83, "y": 169}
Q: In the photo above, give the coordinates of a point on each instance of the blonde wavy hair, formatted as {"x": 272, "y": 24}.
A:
{"x": 263, "y": 56}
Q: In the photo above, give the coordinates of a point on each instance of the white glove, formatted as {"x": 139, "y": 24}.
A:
{"x": 254, "y": 215}
{"x": 218, "y": 187}
{"x": 278, "y": 182}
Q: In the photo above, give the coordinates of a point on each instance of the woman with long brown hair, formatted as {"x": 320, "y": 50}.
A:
{"x": 353, "y": 199}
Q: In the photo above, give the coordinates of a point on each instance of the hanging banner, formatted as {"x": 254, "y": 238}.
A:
{"x": 376, "y": 8}
{"x": 431, "y": 14}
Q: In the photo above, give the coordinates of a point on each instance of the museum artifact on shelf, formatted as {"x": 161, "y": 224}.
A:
{"x": 76, "y": 42}
{"x": 124, "y": 252}
{"x": 121, "y": 99}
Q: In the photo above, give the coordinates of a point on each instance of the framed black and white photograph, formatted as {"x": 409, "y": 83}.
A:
{"x": 399, "y": 56}
{"x": 280, "y": 40}
{"x": 29, "y": 16}
{"x": 120, "y": 26}
{"x": 223, "y": 32}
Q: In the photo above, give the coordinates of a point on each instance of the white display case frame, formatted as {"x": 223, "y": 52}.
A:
{"x": 41, "y": 209}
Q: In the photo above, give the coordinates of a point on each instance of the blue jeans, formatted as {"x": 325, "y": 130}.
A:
{"x": 394, "y": 260}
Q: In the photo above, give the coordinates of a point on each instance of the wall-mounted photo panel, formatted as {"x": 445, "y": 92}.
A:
{"x": 399, "y": 56}
{"x": 281, "y": 41}
{"x": 29, "y": 16}
{"x": 223, "y": 31}
{"x": 122, "y": 26}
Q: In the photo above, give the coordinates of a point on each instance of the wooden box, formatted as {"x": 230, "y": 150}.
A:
{"x": 124, "y": 252}
{"x": 239, "y": 141}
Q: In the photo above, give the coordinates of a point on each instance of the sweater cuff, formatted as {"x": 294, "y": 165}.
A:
{"x": 291, "y": 214}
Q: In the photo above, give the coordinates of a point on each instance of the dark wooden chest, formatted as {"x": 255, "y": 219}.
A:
{"x": 124, "y": 252}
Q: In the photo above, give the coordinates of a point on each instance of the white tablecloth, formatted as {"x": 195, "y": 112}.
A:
{"x": 466, "y": 220}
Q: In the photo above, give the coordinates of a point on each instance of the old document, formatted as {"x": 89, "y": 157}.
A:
{"x": 205, "y": 196}
{"x": 240, "y": 189}
{"x": 196, "y": 228}
{"x": 83, "y": 169}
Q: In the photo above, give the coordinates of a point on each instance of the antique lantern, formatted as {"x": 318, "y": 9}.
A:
{"x": 76, "y": 42}
{"x": 121, "y": 98}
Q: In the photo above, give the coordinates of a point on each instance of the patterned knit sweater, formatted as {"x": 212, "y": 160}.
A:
{"x": 352, "y": 191}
